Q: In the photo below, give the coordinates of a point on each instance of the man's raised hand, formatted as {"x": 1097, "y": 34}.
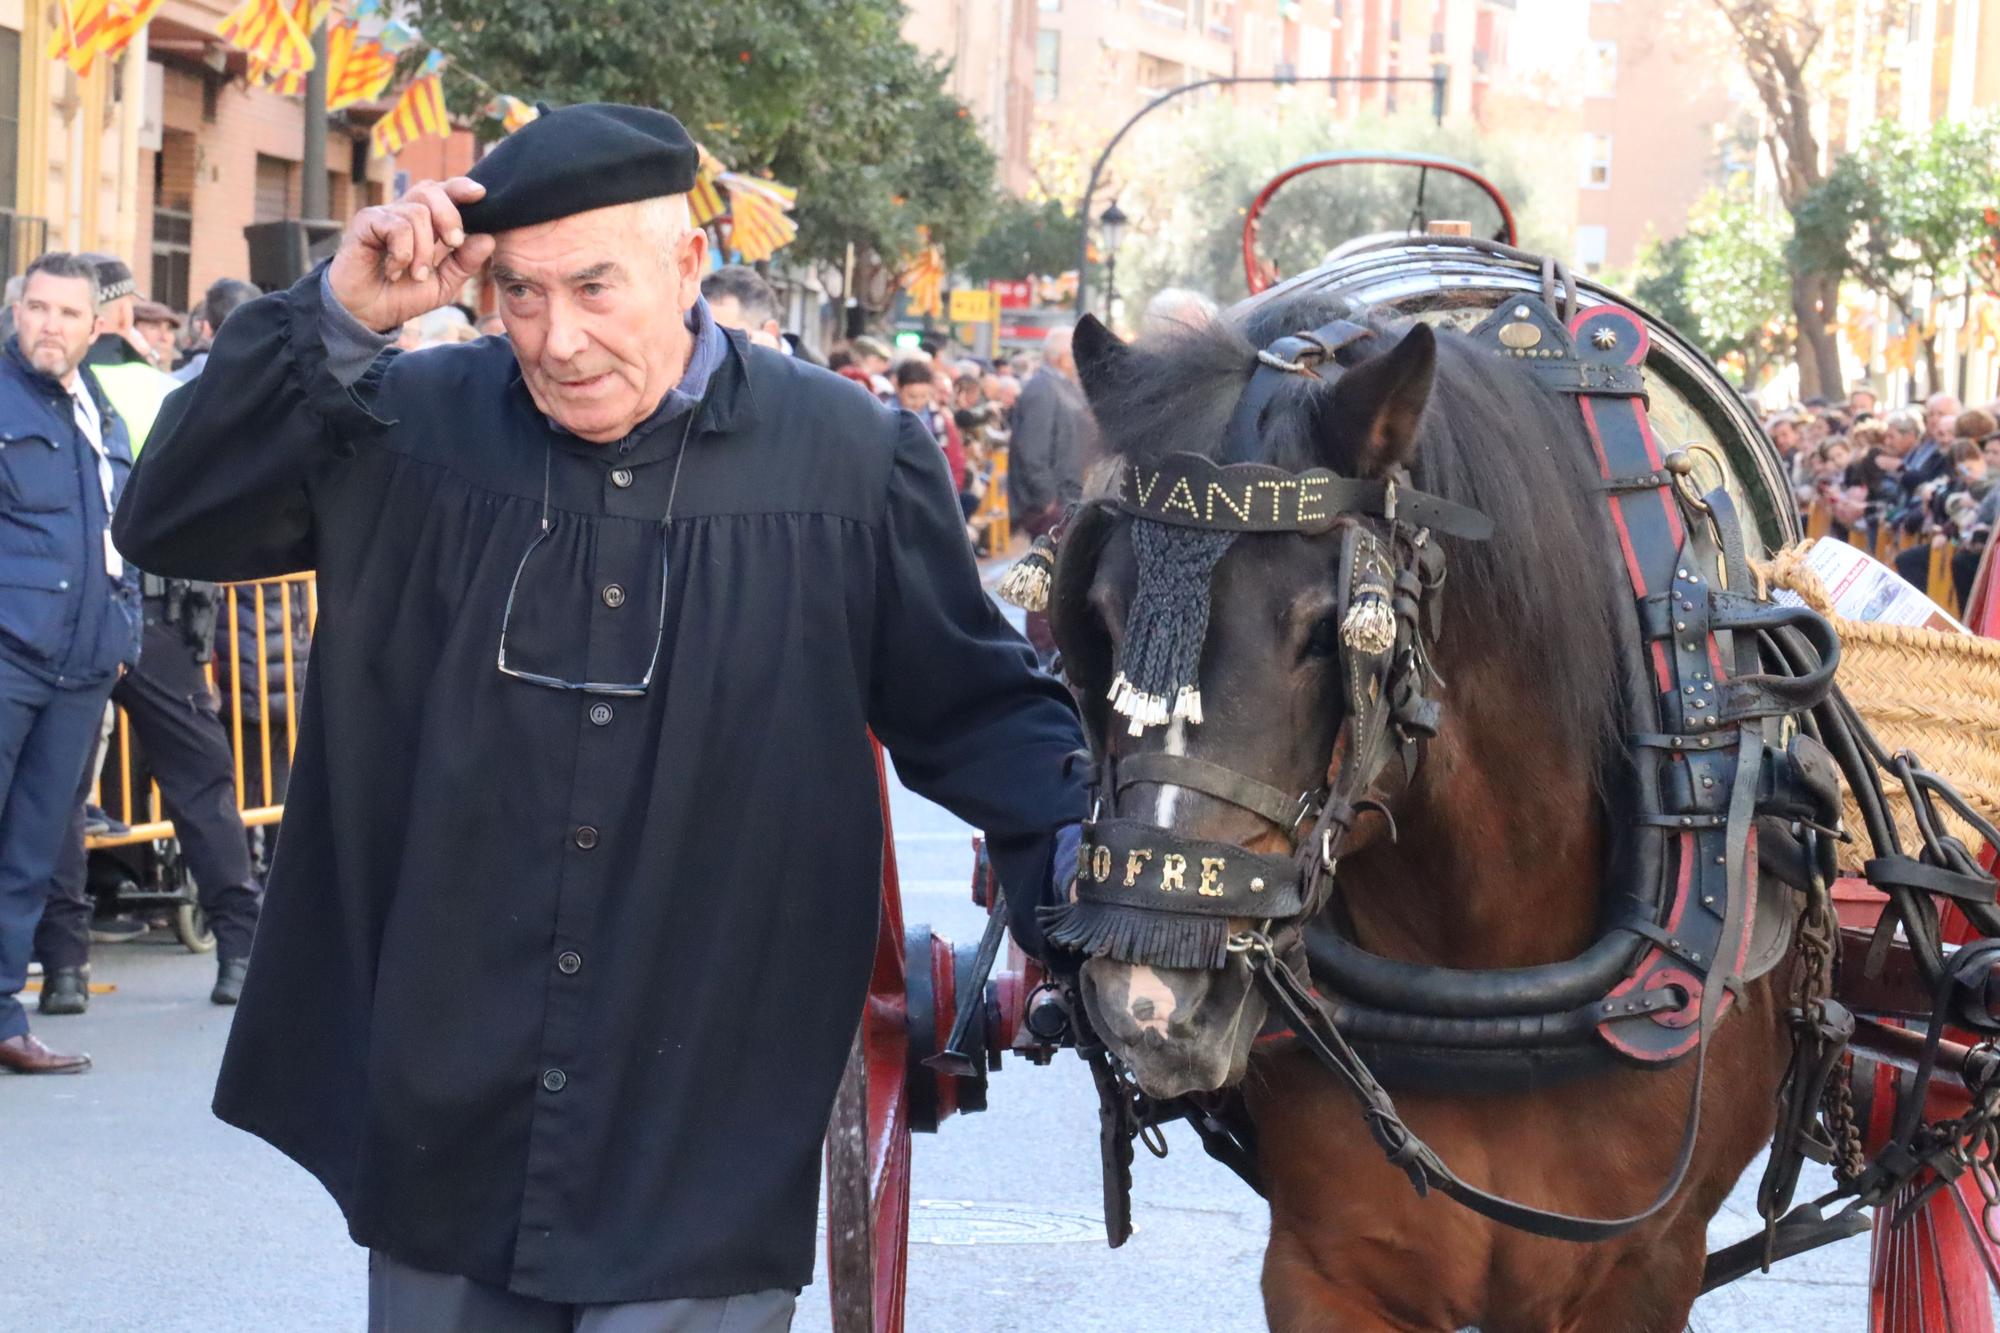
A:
{"x": 397, "y": 261}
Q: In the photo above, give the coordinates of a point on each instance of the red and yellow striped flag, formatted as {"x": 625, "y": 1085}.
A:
{"x": 87, "y": 29}
{"x": 417, "y": 113}
{"x": 705, "y": 203}
{"x": 357, "y": 70}
{"x": 277, "y": 36}
{"x": 758, "y": 227}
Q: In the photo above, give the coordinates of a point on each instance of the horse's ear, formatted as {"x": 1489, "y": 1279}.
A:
{"x": 1370, "y": 426}
{"x": 1098, "y": 351}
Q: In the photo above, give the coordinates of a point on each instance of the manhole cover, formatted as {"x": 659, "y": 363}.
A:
{"x": 963, "y": 1222}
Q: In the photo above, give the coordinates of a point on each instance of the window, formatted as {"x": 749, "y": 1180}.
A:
{"x": 1049, "y": 6}
{"x": 173, "y": 218}
{"x": 1590, "y": 247}
{"x": 1156, "y": 76}
{"x": 1600, "y": 70}
{"x": 1172, "y": 13}
{"x": 10, "y": 113}
{"x": 1048, "y": 61}
{"x": 273, "y": 199}
{"x": 1596, "y": 162}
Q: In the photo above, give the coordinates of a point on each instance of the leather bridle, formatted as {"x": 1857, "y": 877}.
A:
{"x": 1146, "y": 894}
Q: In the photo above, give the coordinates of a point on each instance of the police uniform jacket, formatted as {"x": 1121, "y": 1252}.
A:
{"x": 63, "y": 616}
{"x": 553, "y": 989}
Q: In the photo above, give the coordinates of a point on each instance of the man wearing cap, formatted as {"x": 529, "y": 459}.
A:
{"x": 158, "y": 326}
{"x": 120, "y": 356}
{"x": 576, "y": 900}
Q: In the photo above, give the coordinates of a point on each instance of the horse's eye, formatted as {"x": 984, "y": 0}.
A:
{"x": 1324, "y": 641}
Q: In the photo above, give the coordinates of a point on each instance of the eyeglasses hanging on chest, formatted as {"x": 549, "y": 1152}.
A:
{"x": 555, "y": 651}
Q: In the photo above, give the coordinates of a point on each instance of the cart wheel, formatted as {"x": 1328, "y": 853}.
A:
{"x": 1935, "y": 1273}
{"x": 191, "y": 925}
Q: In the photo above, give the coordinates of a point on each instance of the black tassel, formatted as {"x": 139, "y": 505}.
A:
{"x": 1134, "y": 935}
{"x": 1159, "y": 665}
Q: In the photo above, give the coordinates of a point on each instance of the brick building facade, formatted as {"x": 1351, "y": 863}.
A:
{"x": 164, "y": 156}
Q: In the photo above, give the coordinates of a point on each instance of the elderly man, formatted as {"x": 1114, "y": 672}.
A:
{"x": 159, "y": 326}
{"x": 1054, "y": 435}
{"x": 69, "y": 607}
{"x": 577, "y": 904}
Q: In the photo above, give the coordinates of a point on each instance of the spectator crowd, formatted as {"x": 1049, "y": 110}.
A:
{"x": 1915, "y": 485}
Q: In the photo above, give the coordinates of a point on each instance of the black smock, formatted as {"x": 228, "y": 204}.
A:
{"x": 553, "y": 990}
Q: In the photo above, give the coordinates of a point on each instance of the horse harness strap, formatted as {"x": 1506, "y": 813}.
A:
{"x": 1225, "y": 784}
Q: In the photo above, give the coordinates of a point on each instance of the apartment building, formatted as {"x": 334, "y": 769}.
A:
{"x": 161, "y": 157}
{"x": 1658, "y": 107}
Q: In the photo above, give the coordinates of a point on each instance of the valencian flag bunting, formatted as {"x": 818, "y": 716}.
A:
{"x": 87, "y": 29}
{"x": 277, "y": 36}
{"x": 361, "y": 51}
{"x": 418, "y": 112}
{"x": 705, "y": 203}
{"x": 758, "y": 227}
{"x": 358, "y": 69}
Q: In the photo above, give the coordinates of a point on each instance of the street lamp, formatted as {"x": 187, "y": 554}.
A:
{"x": 1111, "y": 229}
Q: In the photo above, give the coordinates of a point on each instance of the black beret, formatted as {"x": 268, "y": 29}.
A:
{"x": 578, "y": 158}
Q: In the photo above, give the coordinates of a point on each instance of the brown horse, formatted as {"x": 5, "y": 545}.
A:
{"x": 1493, "y": 855}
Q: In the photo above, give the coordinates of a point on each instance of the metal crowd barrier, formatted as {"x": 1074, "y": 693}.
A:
{"x": 289, "y": 595}
{"x": 991, "y": 519}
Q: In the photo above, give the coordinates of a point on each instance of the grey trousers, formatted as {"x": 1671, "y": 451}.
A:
{"x": 402, "y": 1299}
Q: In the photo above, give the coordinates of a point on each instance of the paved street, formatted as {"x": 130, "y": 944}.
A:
{"x": 127, "y": 1207}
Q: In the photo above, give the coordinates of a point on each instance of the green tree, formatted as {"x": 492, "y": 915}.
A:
{"x": 1193, "y": 176}
{"x": 1023, "y": 240}
{"x": 1908, "y": 214}
{"x": 1657, "y": 282}
{"x": 1737, "y": 285}
{"x": 1722, "y": 283}
{"x": 1787, "y": 51}
{"x": 821, "y": 94}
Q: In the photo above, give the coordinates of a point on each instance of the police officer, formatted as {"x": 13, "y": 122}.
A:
{"x": 174, "y": 712}
{"x": 69, "y": 606}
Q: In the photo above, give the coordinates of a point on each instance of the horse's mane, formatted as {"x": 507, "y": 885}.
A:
{"x": 1541, "y": 590}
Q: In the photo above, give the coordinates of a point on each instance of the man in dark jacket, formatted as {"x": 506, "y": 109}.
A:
{"x": 576, "y": 901}
{"x": 176, "y": 719}
{"x": 1054, "y": 436}
{"x": 69, "y": 613}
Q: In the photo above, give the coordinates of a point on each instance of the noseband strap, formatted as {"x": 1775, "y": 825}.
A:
{"x": 1225, "y": 784}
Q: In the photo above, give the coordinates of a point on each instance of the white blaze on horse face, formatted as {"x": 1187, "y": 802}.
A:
{"x": 1176, "y": 744}
{"x": 1149, "y": 999}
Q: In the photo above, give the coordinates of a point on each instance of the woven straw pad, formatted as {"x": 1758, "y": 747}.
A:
{"x": 1933, "y": 693}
